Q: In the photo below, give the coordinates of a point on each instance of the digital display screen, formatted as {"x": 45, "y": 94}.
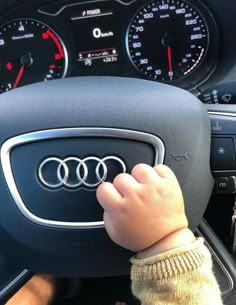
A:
{"x": 96, "y": 37}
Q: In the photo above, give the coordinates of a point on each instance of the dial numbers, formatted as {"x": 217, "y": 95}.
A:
{"x": 30, "y": 52}
{"x": 167, "y": 40}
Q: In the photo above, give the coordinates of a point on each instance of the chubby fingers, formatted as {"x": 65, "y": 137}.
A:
{"x": 145, "y": 174}
{"x": 124, "y": 185}
{"x": 165, "y": 172}
{"x": 110, "y": 195}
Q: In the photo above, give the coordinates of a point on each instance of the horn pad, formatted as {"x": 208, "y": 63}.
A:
{"x": 64, "y": 167}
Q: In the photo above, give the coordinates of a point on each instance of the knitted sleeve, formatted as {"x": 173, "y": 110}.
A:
{"x": 182, "y": 276}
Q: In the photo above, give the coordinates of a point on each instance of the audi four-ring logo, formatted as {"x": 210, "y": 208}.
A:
{"x": 63, "y": 171}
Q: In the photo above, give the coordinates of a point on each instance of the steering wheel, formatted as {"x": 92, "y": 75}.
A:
{"x": 59, "y": 140}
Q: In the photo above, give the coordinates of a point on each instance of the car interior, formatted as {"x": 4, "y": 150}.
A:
{"x": 89, "y": 89}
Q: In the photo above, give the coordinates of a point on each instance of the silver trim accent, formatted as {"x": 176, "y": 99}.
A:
{"x": 223, "y": 172}
{"x": 80, "y": 3}
{"x": 10, "y": 144}
{"x": 231, "y": 282}
{"x": 12, "y": 283}
{"x": 93, "y": 16}
{"x": 222, "y": 113}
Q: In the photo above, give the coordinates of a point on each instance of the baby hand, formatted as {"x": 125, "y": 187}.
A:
{"x": 143, "y": 208}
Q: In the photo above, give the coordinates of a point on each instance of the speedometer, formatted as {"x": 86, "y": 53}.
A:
{"x": 167, "y": 39}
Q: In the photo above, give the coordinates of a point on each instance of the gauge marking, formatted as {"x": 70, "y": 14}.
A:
{"x": 30, "y": 52}
{"x": 196, "y": 63}
{"x": 163, "y": 39}
{"x": 58, "y": 44}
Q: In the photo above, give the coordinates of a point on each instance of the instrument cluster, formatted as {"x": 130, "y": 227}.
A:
{"x": 172, "y": 41}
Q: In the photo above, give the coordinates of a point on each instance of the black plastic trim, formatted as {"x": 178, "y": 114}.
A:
{"x": 223, "y": 258}
{"x": 11, "y": 288}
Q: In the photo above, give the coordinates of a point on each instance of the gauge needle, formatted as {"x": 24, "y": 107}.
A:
{"x": 169, "y": 54}
{"x": 19, "y": 77}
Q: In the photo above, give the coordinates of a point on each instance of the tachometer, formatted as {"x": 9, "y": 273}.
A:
{"x": 30, "y": 52}
{"x": 167, "y": 39}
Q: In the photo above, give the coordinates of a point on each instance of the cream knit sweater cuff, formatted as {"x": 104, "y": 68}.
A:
{"x": 172, "y": 263}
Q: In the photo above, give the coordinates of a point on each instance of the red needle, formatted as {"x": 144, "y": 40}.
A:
{"x": 19, "y": 77}
{"x": 169, "y": 54}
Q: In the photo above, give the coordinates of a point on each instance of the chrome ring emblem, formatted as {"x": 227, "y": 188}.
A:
{"x": 63, "y": 171}
{"x": 99, "y": 178}
{"x": 63, "y": 165}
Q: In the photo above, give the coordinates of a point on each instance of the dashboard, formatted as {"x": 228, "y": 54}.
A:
{"x": 179, "y": 42}
{"x": 171, "y": 41}
{"x": 190, "y": 44}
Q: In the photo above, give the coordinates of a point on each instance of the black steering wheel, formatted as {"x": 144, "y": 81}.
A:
{"x": 59, "y": 140}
